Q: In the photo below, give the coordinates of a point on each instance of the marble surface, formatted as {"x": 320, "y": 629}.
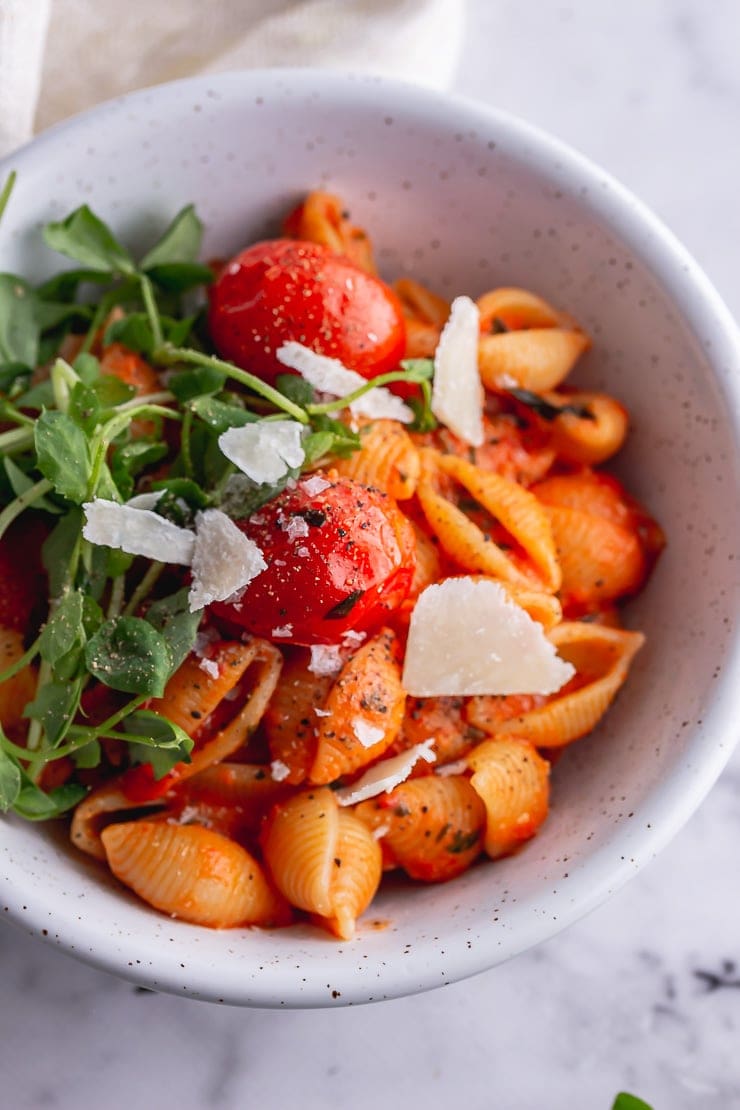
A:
{"x": 642, "y": 995}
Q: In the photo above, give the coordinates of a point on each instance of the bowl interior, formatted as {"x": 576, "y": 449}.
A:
{"x": 464, "y": 200}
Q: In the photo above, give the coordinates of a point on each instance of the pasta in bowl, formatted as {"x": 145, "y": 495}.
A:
{"x": 333, "y": 582}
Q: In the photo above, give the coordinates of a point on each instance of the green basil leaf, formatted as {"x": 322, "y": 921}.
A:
{"x": 296, "y": 389}
{"x": 179, "y": 243}
{"x": 128, "y": 654}
{"x": 64, "y": 286}
{"x": 220, "y": 416}
{"x": 88, "y": 756}
{"x": 63, "y": 455}
{"x": 58, "y": 549}
{"x": 64, "y": 632}
{"x": 172, "y": 618}
{"x": 418, "y": 369}
{"x": 179, "y": 277}
{"x": 19, "y": 329}
{"x": 20, "y": 483}
{"x": 34, "y": 804}
{"x": 54, "y": 706}
{"x": 84, "y": 237}
{"x": 625, "y": 1101}
{"x": 10, "y": 781}
{"x": 188, "y": 384}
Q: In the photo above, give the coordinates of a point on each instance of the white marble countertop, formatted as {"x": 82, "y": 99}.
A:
{"x": 644, "y": 994}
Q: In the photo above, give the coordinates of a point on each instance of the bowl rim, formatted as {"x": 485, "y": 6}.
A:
{"x": 712, "y": 741}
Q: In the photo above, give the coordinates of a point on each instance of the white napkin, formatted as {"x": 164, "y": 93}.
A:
{"x": 96, "y": 49}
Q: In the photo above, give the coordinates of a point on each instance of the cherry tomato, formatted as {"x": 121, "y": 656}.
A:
{"x": 285, "y": 289}
{"x": 338, "y": 559}
{"x": 23, "y": 588}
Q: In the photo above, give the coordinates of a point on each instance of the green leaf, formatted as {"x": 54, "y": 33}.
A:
{"x": 64, "y": 632}
{"x": 220, "y": 416}
{"x": 133, "y": 331}
{"x": 64, "y": 286}
{"x": 129, "y": 459}
{"x": 20, "y": 483}
{"x": 6, "y": 191}
{"x": 84, "y": 237}
{"x": 88, "y": 756}
{"x": 179, "y": 277}
{"x": 161, "y": 742}
{"x": 424, "y": 419}
{"x": 58, "y": 549}
{"x": 19, "y": 329}
{"x": 180, "y": 242}
{"x": 128, "y": 654}
{"x": 34, "y": 804}
{"x": 10, "y": 781}
{"x": 13, "y": 376}
{"x": 63, "y": 455}
{"x": 54, "y": 706}
{"x": 178, "y": 626}
{"x": 39, "y": 397}
{"x": 50, "y": 314}
{"x": 344, "y": 440}
{"x": 88, "y": 368}
{"x": 625, "y": 1101}
{"x": 242, "y": 496}
{"x": 418, "y": 369}
{"x": 188, "y": 384}
{"x": 295, "y": 389}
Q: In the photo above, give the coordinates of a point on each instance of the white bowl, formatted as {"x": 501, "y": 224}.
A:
{"x": 465, "y": 198}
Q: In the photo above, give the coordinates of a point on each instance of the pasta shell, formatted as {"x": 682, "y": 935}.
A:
{"x": 322, "y": 219}
{"x": 356, "y": 875}
{"x": 600, "y": 561}
{"x": 192, "y": 692}
{"x": 300, "y": 844}
{"x": 367, "y": 699}
{"x": 602, "y": 658}
{"x": 512, "y": 779}
{"x": 441, "y": 720}
{"x": 537, "y": 359}
{"x": 91, "y": 814}
{"x": 515, "y": 309}
{"x": 192, "y": 873}
{"x": 387, "y": 460}
{"x": 432, "y": 827}
{"x": 420, "y": 303}
{"x": 232, "y": 798}
{"x": 290, "y": 719}
{"x": 588, "y": 441}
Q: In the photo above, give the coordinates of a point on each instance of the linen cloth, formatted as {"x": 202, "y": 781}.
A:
{"x": 58, "y": 57}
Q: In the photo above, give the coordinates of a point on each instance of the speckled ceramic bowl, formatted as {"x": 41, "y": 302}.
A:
{"x": 464, "y": 198}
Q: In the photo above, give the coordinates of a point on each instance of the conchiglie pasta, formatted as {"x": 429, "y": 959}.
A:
{"x": 432, "y": 827}
{"x": 299, "y": 843}
{"x": 537, "y": 359}
{"x": 601, "y": 657}
{"x": 356, "y": 876}
{"x": 365, "y": 709}
{"x": 290, "y": 719}
{"x": 387, "y": 460}
{"x": 321, "y": 219}
{"x": 193, "y": 692}
{"x": 591, "y": 439}
{"x": 192, "y": 873}
{"x": 512, "y": 780}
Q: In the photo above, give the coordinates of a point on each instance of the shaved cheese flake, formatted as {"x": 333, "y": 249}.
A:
{"x": 137, "y": 532}
{"x": 145, "y": 500}
{"x": 329, "y": 375}
{"x": 279, "y": 770}
{"x": 468, "y": 637}
{"x": 210, "y": 666}
{"x": 366, "y": 733}
{"x": 326, "y": 659}
{"x": 224, "y": 560}
{"x": 457, "y": 393}
{"x": 457, "y": 768}
{"x": 321, "y": 712}
{"x": 264, "y": 451}
{"x": 385, "y": 775}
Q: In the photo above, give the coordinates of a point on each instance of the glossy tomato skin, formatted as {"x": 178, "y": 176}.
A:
{"x": 23, "y": 586}
{"x": 338, "y": 560}
{"x": 285, "y": 289}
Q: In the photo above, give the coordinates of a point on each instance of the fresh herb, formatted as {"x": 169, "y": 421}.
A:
{"x": 625, "y": 1101}
{"x": 342, "y": 608}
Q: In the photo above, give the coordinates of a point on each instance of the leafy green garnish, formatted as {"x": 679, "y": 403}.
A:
{"x": 83, "y": 237}
{"x": 128, "y": 654}
{"x": 547, "y": 411}
{"x": 625, "y": 1101}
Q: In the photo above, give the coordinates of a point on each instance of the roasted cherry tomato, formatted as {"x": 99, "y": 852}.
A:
{"x": 284, "y": 289}
{"x": 23, "y": 588}
{"x": 339, "y": 557}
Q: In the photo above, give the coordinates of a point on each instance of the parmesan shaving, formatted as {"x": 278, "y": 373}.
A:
{"x": 385, "y": 775}
{"x": 210, "y": 666}
{"x": 224, "y": 560}
{"x": 457, "y": 768}
{"x": 326, "y": 659}
{"x": 315, "y": 485}
{"x": 264, "y": 451}
{"x": 137, "y": 532}
{"x": 367, "y": 734}
{"x": 279, "y": 770}
{"x": 329, "y": 375}
{"x": 468, "y": 637}
{"x": 457, "y": 393}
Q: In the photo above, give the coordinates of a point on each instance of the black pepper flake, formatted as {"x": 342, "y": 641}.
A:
{"x": 314, "y": 517}
{"x": 342, "y": 608}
